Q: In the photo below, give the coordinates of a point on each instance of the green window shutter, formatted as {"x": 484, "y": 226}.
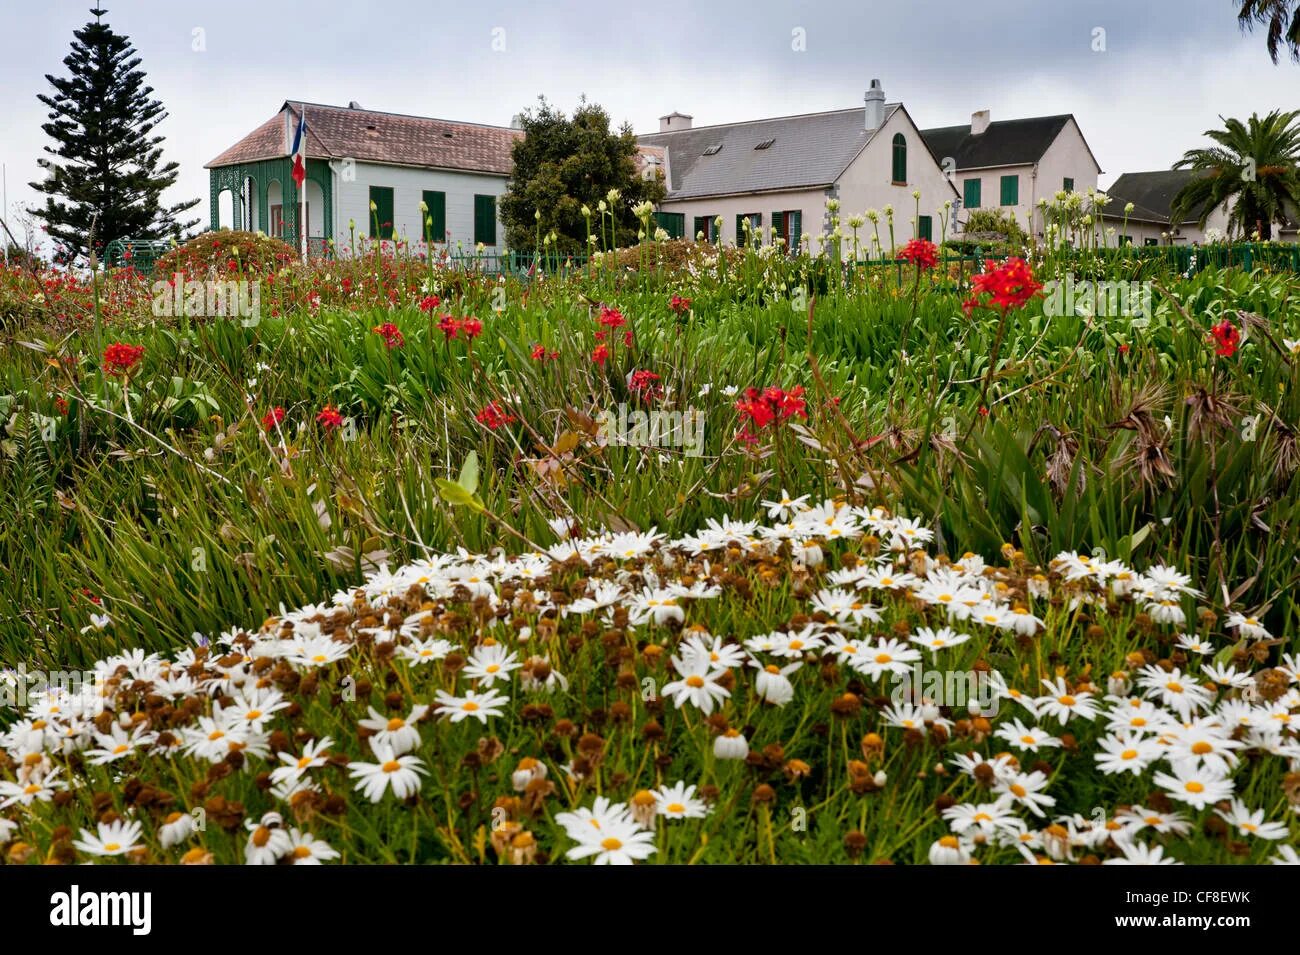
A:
{"x": 1150, "y": 241}
{"x": 1010, "y": 190}
{"x": 900, "y": 158}
{"x": 778, "y": 223}
{"x": 485, "y": 220}
{"x": 674, "y": 223}
{"x": 971, "y": 193}
{"x": 434, "y": 227}
{"x": 381, "y": 213}
{"x": 925, "y": 228}
{"x": 795, "y": 218}
{"x": 1069, "y": 184}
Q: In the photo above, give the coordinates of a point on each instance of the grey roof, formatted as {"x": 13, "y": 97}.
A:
{"x": 1006, "y": 142}
{"x": 1152, "y": 193}
{"x": 808, "y": 151}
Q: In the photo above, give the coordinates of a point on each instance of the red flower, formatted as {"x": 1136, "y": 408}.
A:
{"x": 1004, "y": 287}
{"x": 1226, "y": 338}
{"x": 429, "y": 303}
{"x": 272, "y": 418}
{"x": 539, "y": 353}
{"x": 627, "y": 338}
{"x": 347, "y": 286}
{"x": 984, "y": 412}
{"x": 119, "y": 359}
{"x": 679, "y": 305}
{"x": 600, "y": 354}
{"x": 923, "y": 253}
{"x": 645, "y": 384}
{"x": 472, "y": 328}
{"x": 61, "y": 404}
{"x": 494, "y": 416}
{"x": 764, "y": 408}
{"x": 611, "y": 317}
{"x": 330, "y": 418}
{"x": 449, "y": 325}
{"x": 392, "y": 336}
{"x": 1123, "y": 349}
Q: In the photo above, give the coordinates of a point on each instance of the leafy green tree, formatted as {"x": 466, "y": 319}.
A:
{"x": 1281, "y": 20}
{"x": 1252, "y": 166}
{"x": 564, "y": 163}
{"x": 106, "y": 168}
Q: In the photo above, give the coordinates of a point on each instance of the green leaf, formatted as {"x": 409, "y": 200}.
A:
{"x": 453, "y": 493}
{"x": 469, "y": 473}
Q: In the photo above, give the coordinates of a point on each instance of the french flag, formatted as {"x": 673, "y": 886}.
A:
{"x": 299, "y": 150}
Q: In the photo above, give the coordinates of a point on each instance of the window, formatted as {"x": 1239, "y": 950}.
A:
{"x": 900, "y": 159}
{"x": 674, "y": 223}
{"x": 434, "y": 226}
{"x": 713, "y": 150}
{"x": 485, "y": 220}
{"x": 1010, "y": 190}
{"x": 1126, "y": 240}
{"x": 925, "y": 228}
{"x": 1069, "y": 184}
{"x": 971, "y": 193}
{"x": 381, "y": 212}
{"x": 708, "y": 226}
{"x": 1150, "y": 241}
{"x": 755, "y": 220}
{"x": 789, "y": 227}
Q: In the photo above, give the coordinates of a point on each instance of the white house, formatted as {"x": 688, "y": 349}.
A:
{"x": 778, "y": 173}
{"x": 356, "y": 157}
{"x": 1011, "y": 164}
{"x": 1150, "y": 223}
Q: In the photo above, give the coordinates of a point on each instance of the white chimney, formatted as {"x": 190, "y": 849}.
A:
{"x": 979, "y": 122}
{"x": 875, "y": 111}
{"x": 673, "y": 122}
{"x": 517, "y": 121}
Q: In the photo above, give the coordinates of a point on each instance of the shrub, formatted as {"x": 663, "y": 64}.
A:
{"x": 213, "y": 252}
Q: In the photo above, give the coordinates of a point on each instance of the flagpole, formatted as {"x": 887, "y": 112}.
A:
{"x": 303, "y": 198}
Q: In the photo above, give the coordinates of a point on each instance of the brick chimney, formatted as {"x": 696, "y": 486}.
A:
{"x": 674, "y": 121}
{"x": 874, "y": 115}
{"x": 979, "y": 122}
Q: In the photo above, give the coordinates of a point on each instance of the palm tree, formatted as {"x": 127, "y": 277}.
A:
{"x": 1253, "y": 167}
{"x": 1282, "y": 17}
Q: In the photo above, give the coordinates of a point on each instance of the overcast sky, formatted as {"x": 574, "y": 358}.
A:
{"x": 1145, "y": 78}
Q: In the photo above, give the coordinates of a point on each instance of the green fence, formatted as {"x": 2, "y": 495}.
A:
{"x": 140, "y": 254}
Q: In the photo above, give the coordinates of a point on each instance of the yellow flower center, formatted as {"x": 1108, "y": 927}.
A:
{"x": 391, "y": 766}
{"x": 112, "y": 846}
{"x": 611, "y": 844}
{"x": 676, "y": 807}
{"x": 884, "y": 658}
{"x": 120, "y": 748}
{"x": 1195, "y": 787}
{"x": 301, "y": 852}
{"x": 695, "y": 681}
{"x": 1129, "y": 754}
{"x": 1066, "y": 700}
{"x": 1018, "y": 790}
{"x": 395, "y": 724}
{"x": 469, "y": 706}
{"x": 1201, "y": 748}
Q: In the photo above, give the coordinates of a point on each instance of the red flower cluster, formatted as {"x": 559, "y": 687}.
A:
{"x": 452, "y": 327}
{"x": 119, "y": 359}
{"x": 429, "y": 303}
{"x": 922, "y": 253}
{"x": 330, "y": 418}
{"x": 391, "y": 335}
{"x": 611, "y": 317}
{"x": 679, "y": 305}
{"x": 272, "y": 418}
{"x": 600, "y": 354}
{"x": 1004, "y": 287}
{"x": 539, "y": 353}
{"x": 494, "y": 416}
{"x": 771, "y": 406}
{"x": 1226, "y": 339}
{"x": 61, "y": 404}
{"x": 646, "y": 384}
